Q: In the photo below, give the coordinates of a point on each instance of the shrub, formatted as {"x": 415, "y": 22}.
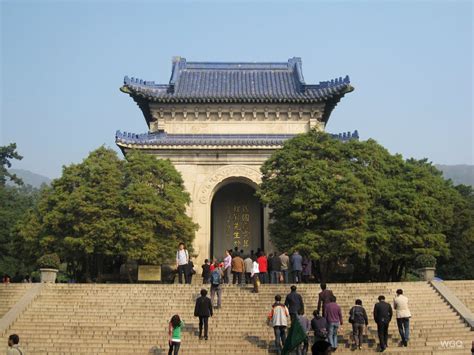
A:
{"x": 425, "y": 260}
{"x": 49, "y": 261}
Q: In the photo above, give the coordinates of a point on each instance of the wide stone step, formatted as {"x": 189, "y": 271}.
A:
{"x": 108, "y": 319}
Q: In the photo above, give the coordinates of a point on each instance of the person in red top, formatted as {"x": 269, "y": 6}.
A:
{"x": 263, "y": 268}
{"x": 212, "y": 267}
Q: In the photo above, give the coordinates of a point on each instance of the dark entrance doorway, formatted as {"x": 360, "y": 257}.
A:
{"x": 236, "y": 219}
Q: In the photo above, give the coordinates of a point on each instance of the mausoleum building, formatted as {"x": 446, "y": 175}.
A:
{"x": 217, "y": 123}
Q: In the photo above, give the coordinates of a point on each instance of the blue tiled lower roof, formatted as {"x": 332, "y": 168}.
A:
{"x": 164, "y": 139}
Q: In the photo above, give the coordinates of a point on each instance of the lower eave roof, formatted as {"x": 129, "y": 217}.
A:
{"x": 162, "y": 139}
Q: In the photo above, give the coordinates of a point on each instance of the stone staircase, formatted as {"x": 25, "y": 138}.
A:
{"x": 132, "y": 319}
{"x": 11, "y": 294}
{"x": 464, "y": 290}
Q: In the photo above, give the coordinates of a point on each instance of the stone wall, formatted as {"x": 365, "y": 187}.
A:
{"x": 236, "y": 119}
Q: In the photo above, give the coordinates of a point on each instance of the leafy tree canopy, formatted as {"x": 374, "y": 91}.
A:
{"x": 14, "y": 202}
{"x": 7, "y": 153}
{"x": 105, "y": 211}
{"x": 354, "y": 201}
{"x": 458, "y": 264}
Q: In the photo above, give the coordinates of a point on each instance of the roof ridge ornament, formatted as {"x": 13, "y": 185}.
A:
{"x": 178, "y": 64}
{"x": 296, "y": 65}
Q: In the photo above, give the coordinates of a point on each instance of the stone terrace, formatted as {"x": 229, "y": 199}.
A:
{"x": 125, "y": 319}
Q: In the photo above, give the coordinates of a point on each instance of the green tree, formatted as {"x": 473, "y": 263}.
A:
{"x": 354, "y": 201}
{"x": 7, "y": 153}
{"x": 14, "y": 203}
{"x": 105, "y": 211}
{"x": 78, "y": 217}
{"x": 318, "y": 205}
{"x": 459, "y": 265}
{"x": 154, "y": 210}
{"x": 410, "y": 215}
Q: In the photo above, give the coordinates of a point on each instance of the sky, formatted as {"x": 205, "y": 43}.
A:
{"x": 63, "y": 62}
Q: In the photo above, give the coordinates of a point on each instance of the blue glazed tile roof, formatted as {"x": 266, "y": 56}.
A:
{"x": 164, "y": 139}
{"x": 236, "y": 82}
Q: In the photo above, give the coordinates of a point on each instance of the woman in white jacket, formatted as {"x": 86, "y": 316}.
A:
{"x": 254, "y": 275}
{"x": 279, "y": 320}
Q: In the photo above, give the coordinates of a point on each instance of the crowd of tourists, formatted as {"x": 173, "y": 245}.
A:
{"x": 256, "y": 267}
{"x": 327, "y": 322}
{"x": 17, "y": 278}
{"x": 325, "y": 325}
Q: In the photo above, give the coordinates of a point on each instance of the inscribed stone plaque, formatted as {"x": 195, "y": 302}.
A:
{"x": 149, "y": 273}
{"x": 236, "y": 219}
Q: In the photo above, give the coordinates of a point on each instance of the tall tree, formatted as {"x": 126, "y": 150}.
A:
{"x": 78, "y": 216}
{"x": 318, "y": 204}
{"x": 14, "y": 205}
{"x": 459, "y": 265}
{"x": 355, "y": 201}
{"x": 7, "y": 153}
{"x": 105, "y": 208}
{"x": 14, "y": 202}
{"x": 154, "y": 210}
{"x": 410, "y": 215}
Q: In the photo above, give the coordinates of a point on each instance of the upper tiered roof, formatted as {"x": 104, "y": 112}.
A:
{"x": 206, "y": 82}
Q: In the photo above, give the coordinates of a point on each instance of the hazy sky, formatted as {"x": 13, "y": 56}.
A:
{"x": 64, "y": 61}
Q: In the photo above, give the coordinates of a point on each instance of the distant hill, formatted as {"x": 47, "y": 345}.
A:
{"x": 30, "y": 178}
{"x": 460, "y": 174}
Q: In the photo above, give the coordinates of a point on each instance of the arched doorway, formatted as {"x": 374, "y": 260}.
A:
{"x": 236, "y": 219}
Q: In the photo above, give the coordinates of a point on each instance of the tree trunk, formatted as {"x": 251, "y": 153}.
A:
{"x": 87, "y": 265}
{"x": 401, "y": 269}
{"x": 324, "y": 270}
{"x": 100, "y": 267}
{"x": 393, "y": 271}
{"x": 368, "y": 275}
{"x": 384, "y": 271}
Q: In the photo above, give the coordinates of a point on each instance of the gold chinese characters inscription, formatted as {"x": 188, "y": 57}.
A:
{"x": 237, "y": 227}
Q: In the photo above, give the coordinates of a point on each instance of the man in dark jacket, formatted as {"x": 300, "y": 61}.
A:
{"x": 382, "y": 316}
{"x": 324, "y": 298}
{"x": 358, "y": 319}
{"x": 203, "y": 310}
{"x": 294, "y": 302}
{"x": 274, "y": 264}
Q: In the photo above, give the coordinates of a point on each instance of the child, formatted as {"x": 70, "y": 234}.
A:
{"x": 206, "y": 272}
{"x": 174, "y": 332}
{"x": 320, "y": 327}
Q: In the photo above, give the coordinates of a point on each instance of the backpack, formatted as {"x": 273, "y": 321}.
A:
{"x": 216, "y": 278}
{"x": 321, "y": 333}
